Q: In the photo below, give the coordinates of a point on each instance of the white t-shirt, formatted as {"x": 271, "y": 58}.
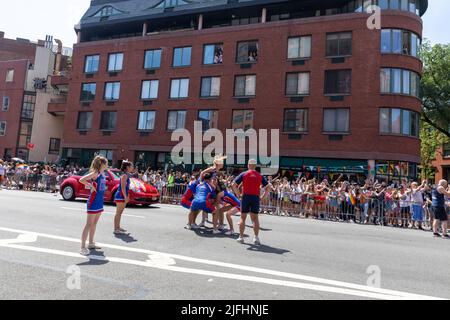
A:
{"x": 2, "y": 170}
{"x": 417, "y": 197}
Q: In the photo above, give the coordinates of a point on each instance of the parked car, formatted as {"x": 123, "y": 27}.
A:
{"x": 140, "y": 193}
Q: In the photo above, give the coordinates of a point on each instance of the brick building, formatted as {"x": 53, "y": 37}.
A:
{"x": 442, "y": 163}
{"x": 27, "y": 129}
{"x": 344, "y": 97}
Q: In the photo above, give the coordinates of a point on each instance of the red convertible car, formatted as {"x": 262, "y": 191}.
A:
{"x": 140, "y": 193}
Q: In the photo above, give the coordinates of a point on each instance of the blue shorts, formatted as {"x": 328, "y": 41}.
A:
{"x": 417, "y": 214}
{"x": 250, "y": 204}
{"x": 202, "y": 206}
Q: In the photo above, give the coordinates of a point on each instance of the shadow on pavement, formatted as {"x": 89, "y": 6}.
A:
{"x": 95, "y": 262}
{"x": 126, "y": 238}
{"x": 266, "y": 249}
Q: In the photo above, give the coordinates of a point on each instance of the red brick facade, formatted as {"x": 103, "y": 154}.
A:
{"x": 442, "y": 165}
{"x": 363, "y": 142}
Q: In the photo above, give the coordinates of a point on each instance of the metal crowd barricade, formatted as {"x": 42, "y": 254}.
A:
{"x": 172, "y": 194}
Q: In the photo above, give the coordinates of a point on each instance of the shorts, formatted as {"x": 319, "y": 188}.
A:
{"x": 250, "y": 204}
{"x": 417, "y": 212}
{"x": 204, "y": 206}
{"x": 439, "y": 213}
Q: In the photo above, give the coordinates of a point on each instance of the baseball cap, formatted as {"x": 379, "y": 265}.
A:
{"x": 253, "y": 161}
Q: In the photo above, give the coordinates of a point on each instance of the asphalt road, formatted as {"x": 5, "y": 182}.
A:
{"x": 298, "y": 259}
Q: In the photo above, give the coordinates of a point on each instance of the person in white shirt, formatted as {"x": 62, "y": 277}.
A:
{"x": 417, "y": 203}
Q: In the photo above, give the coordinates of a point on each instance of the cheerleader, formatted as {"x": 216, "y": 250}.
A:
{"x": 95, "y": 181}
{"x": 122, "y": 195}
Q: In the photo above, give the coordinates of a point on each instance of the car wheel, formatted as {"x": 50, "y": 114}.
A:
{"x": 68, "y": 193}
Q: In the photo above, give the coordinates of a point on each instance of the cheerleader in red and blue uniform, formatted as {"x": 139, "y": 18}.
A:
{"x": 186, "y": 200}
{"x": 122, "y": 196}
{"x": 96, "y": 182}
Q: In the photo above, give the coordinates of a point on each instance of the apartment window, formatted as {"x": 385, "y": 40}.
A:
{"x": 446, "y": 150}
{"x": 146, "y": 120}
{"x": 210, "y": 87}
{"x": 399, "y": 122}
{"x": 339, "y": 44}
{"x": 152, "y": 59}
{"x": 245, "y": 86}
{"x": 247, "y": 51}
{"x": 28, "y": 105}
{"x": 182, "y": 57}
{"x": 176, "y": 120}
{"x": 108, "y": 120}
{"x": 88, "y": 91}
{"x": 399, "y": 42}
{"x": 115, "y": 62}
{"x": 243, "y": 119}
{"x": 297, "y": 84}
{"x": 84, "y": 120}
{"x": 54, "y": 146}
{"x": 2, "y": 128}
{"x": 209, "y": 119}
{"x": 10, "y": 75}
{"x": 91, "y": 64}
{"x": 295, "y": 120}
{"x": 112, "y": 91}
{"x": 213, "y": 54}
{"x": 179, "y": 88}
{"x": 399, "y": 81}
{"x": 5, "y": 103}
{"x": 149, "y": 89}
{"x": 338, "y": 81}
{"x": 336, "y": 120}
{"x": 299, "y": 47}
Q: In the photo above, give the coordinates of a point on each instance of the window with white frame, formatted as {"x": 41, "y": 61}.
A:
{"x": 149, "y": 89}
{"x": 146, "y": 120}
{"x": 245, "y": 86}
{"x": 115, "y": 62}
{"x": 299, "y": 47}
{"x": 210, "y": 87}
{"x": 297, "y": 84}
{"x": 179, "y": 88}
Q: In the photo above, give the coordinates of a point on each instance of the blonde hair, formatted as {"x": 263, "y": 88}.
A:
{"x": 1, "y": 161}
{"x": 97, "y": 163}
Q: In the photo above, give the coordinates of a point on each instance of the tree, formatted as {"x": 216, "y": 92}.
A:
{"x": 435, "y": 86}
{"x": 432, "y": 140}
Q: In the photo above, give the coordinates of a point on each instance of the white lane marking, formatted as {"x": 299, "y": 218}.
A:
{"x": 106, "y": 212}
{"x": 201, "y": 272}
{"x": 352, "y": 289}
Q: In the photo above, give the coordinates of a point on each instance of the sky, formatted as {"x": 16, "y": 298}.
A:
{"x": 33, "y": 19}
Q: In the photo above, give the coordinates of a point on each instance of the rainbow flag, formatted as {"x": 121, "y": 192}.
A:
{"x": 22, "y": 166}
{"x": 351, "y": 199}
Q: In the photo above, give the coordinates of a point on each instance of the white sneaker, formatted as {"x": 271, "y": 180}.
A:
{"x": 194, "y": 226}
{"x": 222, "y": 227}
{"x": 201, "y": 225}
{"x": 240, "y": 240}
{"x": 229, "y": 233}
{"x": 216, "y": 232}
{"x": 85, "y": 252}
{"x": 256, "y": 241}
